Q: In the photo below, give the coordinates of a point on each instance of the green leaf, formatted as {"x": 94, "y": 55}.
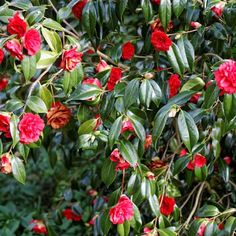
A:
{"x": 166, "y": 232}
{"x": 180, "y": 164}
{"x": 28, "y": 65}
{"x": 46, "y": 95}
{"x": 89, "y": 19}
{"x": 188, "y": 130}
{"x": 208, "y": 211}
{"x": 229, "y": 106}
{"x": 139, "y": 129}
{"x": 187, "y": 53}
{"x": 108, "y": 174}
{"x": 14, "y": 104}
{"x": 115, "y": 131}
{"x": 1, "y": 147}
{"x": 165, "y": 13}
{"x": 230, "y": 225}
{"x": 175, "y": 59}
{"x": 47, "y": 58}
{"x": 145, "y": 95}
{"x": 210, "y": 96}
{"x": 24, "y": 151}
{"x": 64, "y": 13}
{"x": 105, "y": 222}
{"x": 120, "y": 8}
{"x": 120, "y": 230}
{"x": 14, "y": 130}
{"x": 201, "y": 173}
{"x": 18, "y": 169}
{"x": 51, "y": 24}
{"x": 147, "y": 10}
{"x": 36, "y": 104}
{"x": 156, "y": 92}
{"x": 131, "y": 93}
{"x": 195, "y": 84}
{"x": 53, "y": 40}
{"x": 128, "y": 152}
{"x": 178, "y": 6}
{"x": 154, "y": 204}
{"x": 87, "y": 127}
{"x": 145, "y": 188}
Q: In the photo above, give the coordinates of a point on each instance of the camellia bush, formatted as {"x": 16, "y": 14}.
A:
{"x": 118, "y": 117}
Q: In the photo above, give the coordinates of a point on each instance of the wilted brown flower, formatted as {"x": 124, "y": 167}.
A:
{"x": 58, "y": 115}
{"x": 5, "y": 164}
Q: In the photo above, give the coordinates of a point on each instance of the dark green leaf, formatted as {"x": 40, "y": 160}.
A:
{"x": 128, "y": 152}
{"x": 18, "y": 169}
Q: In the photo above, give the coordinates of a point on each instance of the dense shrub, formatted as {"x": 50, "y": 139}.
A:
{"x": 118, "y": 117}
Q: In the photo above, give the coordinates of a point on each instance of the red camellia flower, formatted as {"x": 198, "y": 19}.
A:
{"x": 201, "y": 229}
{"x": 195, "y": 24}
{"x": 225, "y": 77}
{"x": 117, "y": 158}
{"x": 70, "y": 59}
{"x": 157, "y": 2}
{"x": 93, "y": 81}
{"x": 148, "y": 141}
{"x": 115, "y": 77}
{"x": 14, "y": 48}
{"x": 5, "y": 125}
{"x": 5, "y": 164}
{"x": 30, "y": 127}
{"x": 3, "y": 83}
{"x": 166, "y": 205}
{"x": 182, "y": 152}
{"x": 70, "y": 215}
{"x": 1, "y": 55}
{"x": 17, "y": 26}
{"x": 227, "y": 160}
{"x": 32, "y": 41}
{"x": 128, "y": 51}
{"x": 122, "y": 211}
{"x": 160, "y": 41}
{"x": 127, "y": 126}
{"x": 195, "y": 97}
{"x": 198, "y": 161}
{"x": 77, "y": 9}
{"x": 38, "y": 227}
{"x": 99, "y": 121}
{"x": 174, "y": 85}
{"x": 101, "y": 66}
{"x": 58, "y": 115}
{"x": 218, "y": 8}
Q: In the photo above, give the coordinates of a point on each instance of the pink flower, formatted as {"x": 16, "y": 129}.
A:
{"x": 183, "y": 152}
{"x": 117, "y": 158}
{"x": 218, "y": 8}
{"x": 14, "y": 48}
{"x": 122, "y": 211}
{"x": 38, "y": 227}
{"x": 16, "y": 26}
{"x": 225, "y": 77}
{"x": 115, "y": 77}
{"x": 227, "y": 160}
{"x": 1, "y": 55}
{"x": 195, "y": 24}
{"x": 166, "y": 205}
{"x": 32, "y": 41}
{"x": 31, "y": 126}
{"x": 5, "y": 164}
{"x": 128, "y": 51}
{"x": 5, "y": 125}
{"x": 127, "y": 126}
{"x": 70, "y": 59}
{"x": 174, "y": 85}
{"x": 201, "y": 229}
{"x": 93, "y": 81}
{"x": 101, "y": 66}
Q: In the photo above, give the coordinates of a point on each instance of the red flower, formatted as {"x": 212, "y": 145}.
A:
{"x": 115, "y": 77}
{"x": 14, "y": 48}
{"x": 99, "y": 121}
{"x": 201, "y": 229}
{"x": 32, "y": 41}
{"x": 225, "y": 77}
{"x": 227, "y": 160}
{"x": 148, "y": 141}
{"x": 174, "y": 85}
{"x": 195, "y": 24}
{"x": 17, "y": 26}
{"x": 198, "y": 161}
{"x": 5, "y": 164}
{"x": 127, "y": 126}
{"x": 93, "y": 81}
{"x": 195, "y": 97}
{"x": 218, "y": 8}
{"x": 70, "y": 215}
{"x": 1, "y": 55}
{"x": 160, "y": 41}
{"x": 122, "y": 211}
{"x": 3, "y": 83}
{"x": 70, "y": 59}
{"x": 150, "y": 175}
{"x": 183, "y": 152}
{"x": 5, "y": 125}
{"x": 30, "y": 127}
{"x": 221, "y": 226}
{"x": 128, "y": 51}
{"x": 101, "y": 66}
{"x": 166, "y": 205}
{"x": 92, "y": 221}
{"x": 117, "y": 158}
{"x": 77, "y": 9}
{"x": 58, "y": 115}
{"x": 38, "y": 226}
{"x": 156, "y": 2}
